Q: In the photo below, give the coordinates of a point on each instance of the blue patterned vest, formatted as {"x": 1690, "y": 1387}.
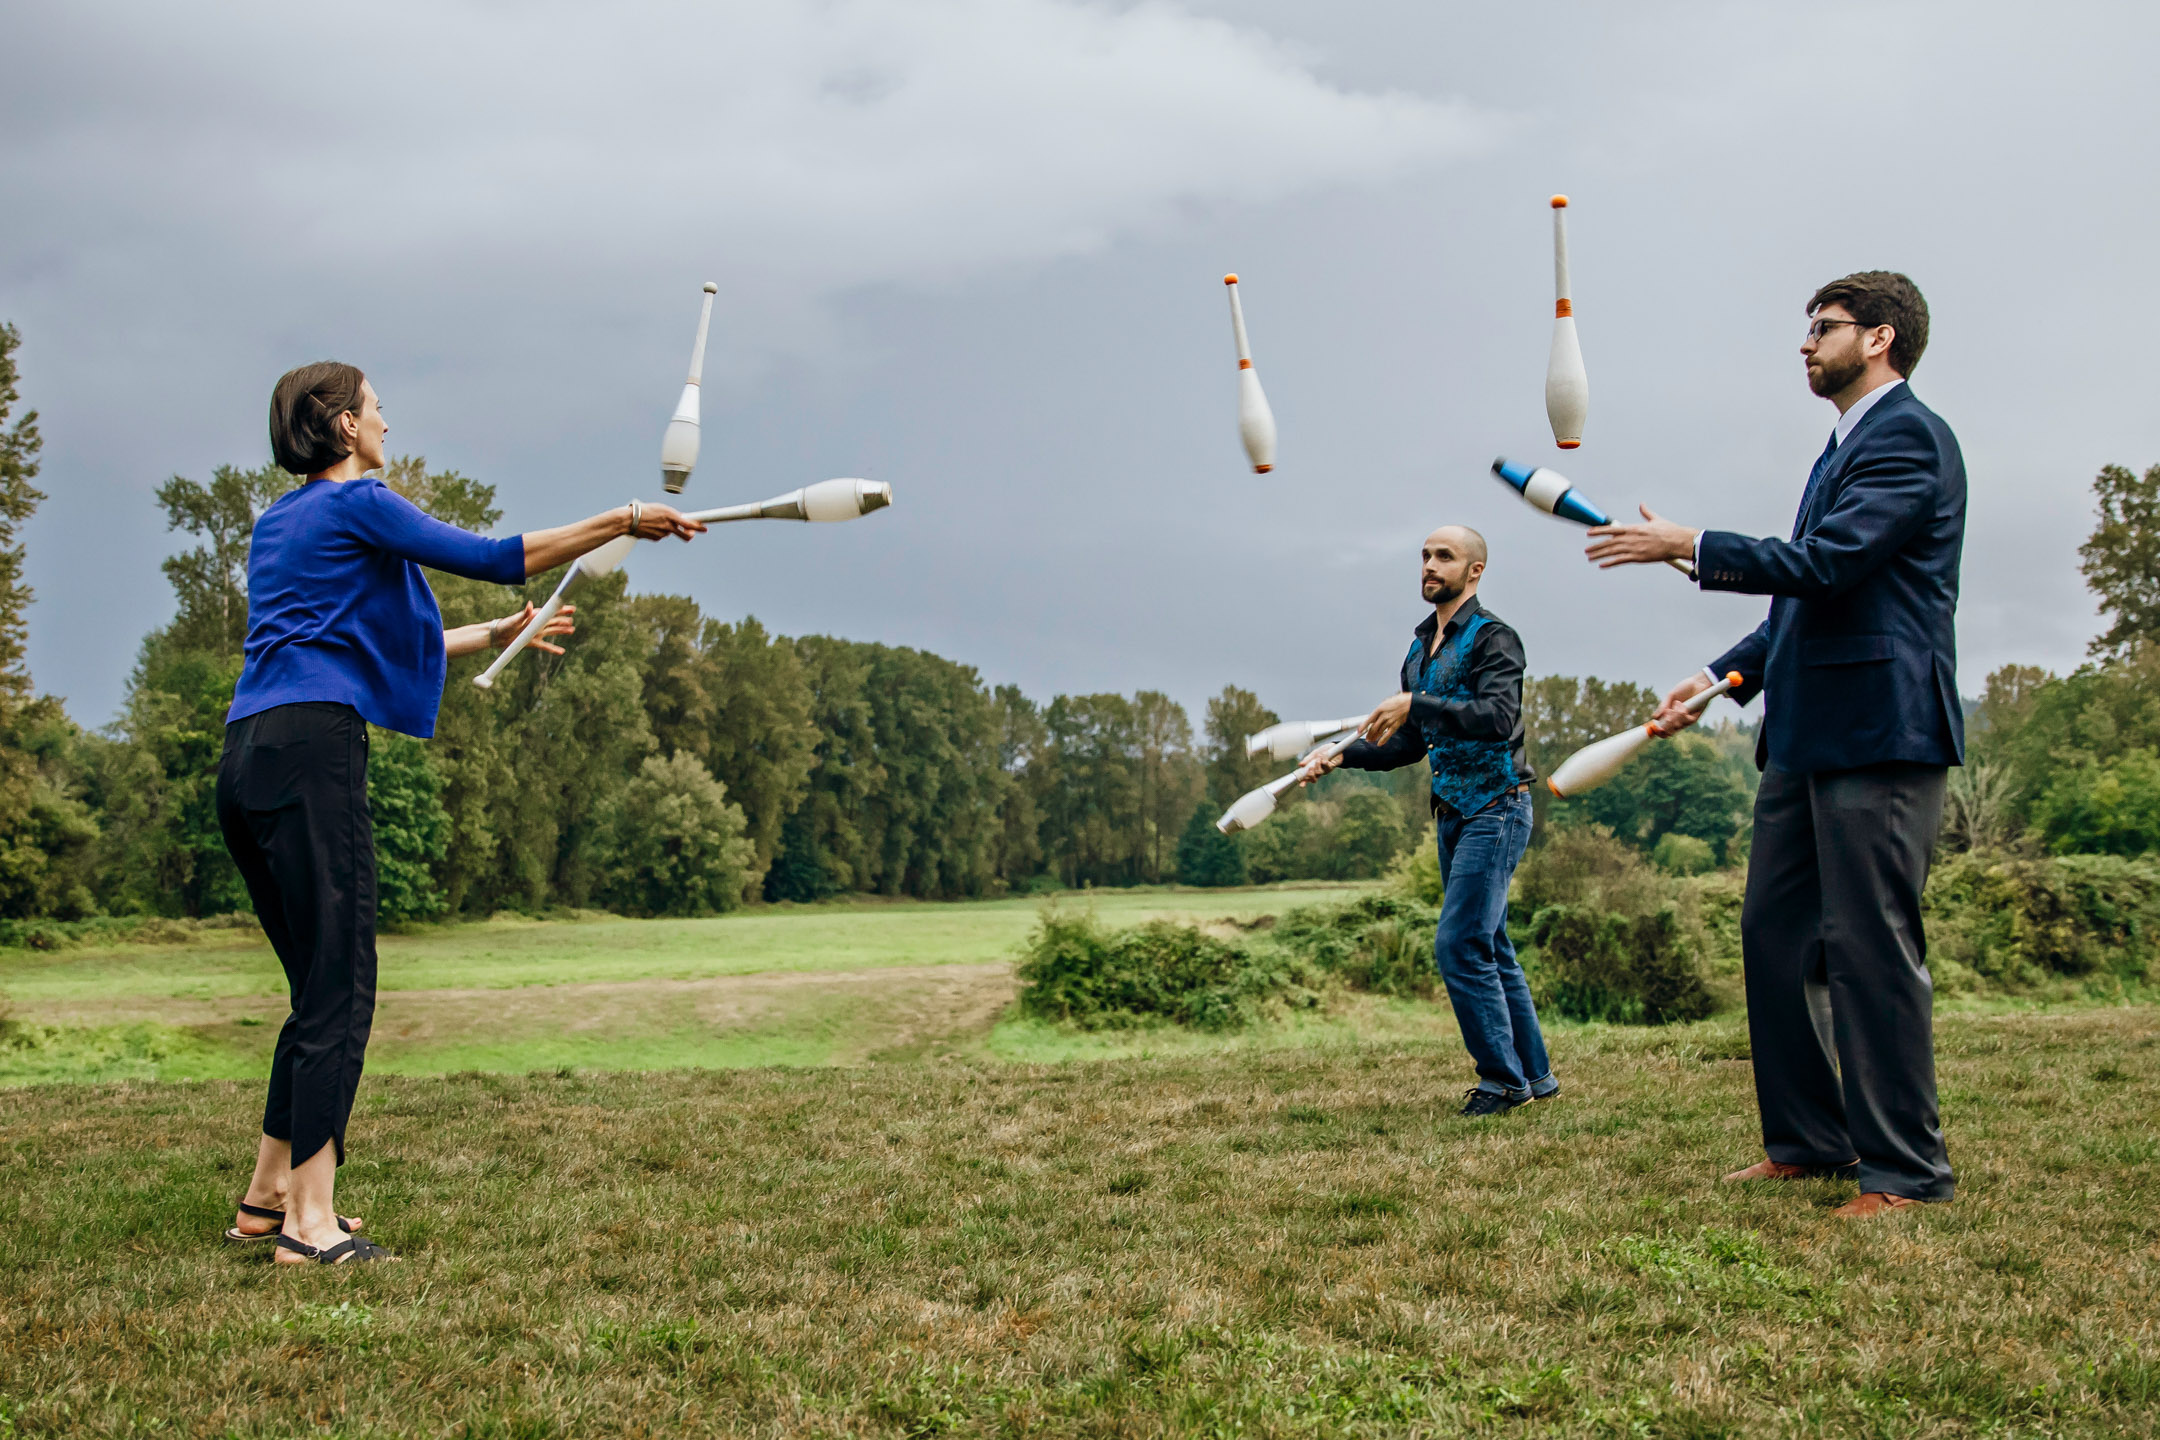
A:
{"x": 1467, "y": 774}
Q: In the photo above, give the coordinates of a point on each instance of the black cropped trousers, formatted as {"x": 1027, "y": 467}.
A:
{"x": 292, "y": 802}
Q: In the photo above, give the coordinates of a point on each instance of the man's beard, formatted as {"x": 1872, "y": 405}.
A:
{"x": 1827, "y": 379}
{"x": 1439, "y": 592}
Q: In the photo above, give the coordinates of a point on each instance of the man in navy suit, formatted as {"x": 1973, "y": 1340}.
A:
{"x": 1857, "y": 665}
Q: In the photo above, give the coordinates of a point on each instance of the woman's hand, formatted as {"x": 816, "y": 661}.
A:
{"x": 657, "y": 522}
{"x": 495, "y": 634}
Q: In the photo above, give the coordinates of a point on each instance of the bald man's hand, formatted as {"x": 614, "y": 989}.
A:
{"x": 1387, "y": 718}
{"x": 1651, "y": 543}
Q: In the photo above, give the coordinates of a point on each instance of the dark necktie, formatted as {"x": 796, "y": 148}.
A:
{"x": 1807, "y": 496}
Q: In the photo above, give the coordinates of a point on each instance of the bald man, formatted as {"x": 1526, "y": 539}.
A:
{"x": 1460, "y": 706}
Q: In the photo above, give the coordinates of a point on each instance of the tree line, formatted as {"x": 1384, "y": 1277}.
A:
{"x": 673, "y": 762}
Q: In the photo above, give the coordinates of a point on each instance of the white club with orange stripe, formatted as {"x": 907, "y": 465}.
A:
{"x": 1567, "y": 384}
{"x": 1593, "y": 765}
{"x": 1255, "y": 422}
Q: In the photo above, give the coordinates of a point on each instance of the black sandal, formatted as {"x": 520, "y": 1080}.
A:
{"x": 241, "y": 1237}
{"x": 355, "y": 1248}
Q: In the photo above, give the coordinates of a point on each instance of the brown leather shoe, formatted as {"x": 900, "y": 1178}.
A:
{"x": 1769, "y": 1170}
{"x": 1872, "y": 1204}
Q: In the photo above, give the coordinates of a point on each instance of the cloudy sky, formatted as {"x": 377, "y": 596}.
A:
{"x": 974, "y": 247}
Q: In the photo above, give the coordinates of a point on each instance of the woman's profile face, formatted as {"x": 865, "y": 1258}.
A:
{"x": 365, "y": 431}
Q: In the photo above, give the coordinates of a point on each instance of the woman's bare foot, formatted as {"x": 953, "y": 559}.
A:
{"x": 248, "y": 1226}
{"x": 311, "y": 1246}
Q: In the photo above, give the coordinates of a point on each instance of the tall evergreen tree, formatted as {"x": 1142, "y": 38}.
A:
{"x": 45, "y": 831}
{"x": 1206, "y": 856}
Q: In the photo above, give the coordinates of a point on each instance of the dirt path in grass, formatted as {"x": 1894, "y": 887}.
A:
{"x": 851, "y": 1014}
{"x": 879, "y": 1009}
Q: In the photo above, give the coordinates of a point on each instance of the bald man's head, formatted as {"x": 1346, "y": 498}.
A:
{"x": 1454, "y": 559}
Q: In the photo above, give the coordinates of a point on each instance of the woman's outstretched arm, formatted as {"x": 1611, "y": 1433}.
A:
{"x": 545, "y": 549}
{"x": 387, "y": 519}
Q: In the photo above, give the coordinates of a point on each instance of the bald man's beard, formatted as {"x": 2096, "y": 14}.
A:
{"x": 1827, "y": 379}
{"x": 1439, "y": 592}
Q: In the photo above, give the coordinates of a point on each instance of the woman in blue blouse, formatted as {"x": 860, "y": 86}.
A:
{"x": 343, "y": 632}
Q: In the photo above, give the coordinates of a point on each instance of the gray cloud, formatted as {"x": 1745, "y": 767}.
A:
{"x": 975, "y": 249}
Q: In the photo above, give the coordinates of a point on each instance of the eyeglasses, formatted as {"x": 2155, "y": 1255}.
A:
{"x": 1821, "y": 328}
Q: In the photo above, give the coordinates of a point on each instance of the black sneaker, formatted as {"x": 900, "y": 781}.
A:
{"x": 1487, "y": 1102}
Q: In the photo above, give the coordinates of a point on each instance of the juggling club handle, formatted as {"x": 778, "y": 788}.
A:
{"x": 1694, "y": 706}
{"x": 486, "y": 678}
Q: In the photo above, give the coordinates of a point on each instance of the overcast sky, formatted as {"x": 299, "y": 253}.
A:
{"x": 976, "y": 249}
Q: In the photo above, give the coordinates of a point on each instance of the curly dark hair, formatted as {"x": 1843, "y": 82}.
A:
{"x": 1883, "y": 297}
{"x": 304, "y": 406}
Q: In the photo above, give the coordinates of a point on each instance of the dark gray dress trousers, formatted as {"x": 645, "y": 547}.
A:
{"x": 1840, "y": 1003}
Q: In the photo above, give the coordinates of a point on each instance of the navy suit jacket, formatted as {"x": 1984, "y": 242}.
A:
{"x": 1858, "y": 660}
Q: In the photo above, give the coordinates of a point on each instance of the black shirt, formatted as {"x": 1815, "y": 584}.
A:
{"x": 1493, "y": 712}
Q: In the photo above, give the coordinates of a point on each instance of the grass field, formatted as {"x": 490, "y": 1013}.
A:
{"x": 795, "y": 985}
{"x": 1288, "y": 1242}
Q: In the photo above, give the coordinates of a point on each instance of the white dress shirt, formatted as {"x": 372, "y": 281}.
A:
{"x": 1853, "y": 415}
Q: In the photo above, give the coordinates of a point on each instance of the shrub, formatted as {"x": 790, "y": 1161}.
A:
{"x": 1583, "y": 865}
{"x": 1077, "y": 972}
{"x": 1416, "y": 876}
{"x": 1678, "y": 854}
{"x": 1382, "y": 944}
{"x": 679, "y": 846}
{"x": 2108, "y": 807}
{"x": 2018, "y": 924}
{"x": 1630, "y": 969}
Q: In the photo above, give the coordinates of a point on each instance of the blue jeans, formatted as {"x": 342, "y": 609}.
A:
{"x": 1478, "y": 856}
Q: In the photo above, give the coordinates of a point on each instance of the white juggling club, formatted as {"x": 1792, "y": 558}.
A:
{"x": 1567, "y": 384}
{"x": 679, "y": 447}
{"x": 1593, "y": 765}
{"x": 1293, "y": 738}
{"x": 592, "y": 565}
{"x": 1255, "y": 806}
{"x": 826, "y": 500}
{"x": 1255, "y": 422}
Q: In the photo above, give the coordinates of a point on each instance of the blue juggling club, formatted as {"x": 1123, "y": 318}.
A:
{"x": 1550, "y": 492}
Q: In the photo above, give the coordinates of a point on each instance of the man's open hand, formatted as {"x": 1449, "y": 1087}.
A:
{"x": 1387, "y": 717}
{"x": 1653, "y": 542}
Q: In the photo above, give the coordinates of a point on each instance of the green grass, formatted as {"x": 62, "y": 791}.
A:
{"x": 1297, "y": 1241}
{"x": 877, "y": 980}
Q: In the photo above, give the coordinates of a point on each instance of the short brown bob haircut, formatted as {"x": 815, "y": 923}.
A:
{"x": 1883, "y": 297}
{"x": 304, "y": 406}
